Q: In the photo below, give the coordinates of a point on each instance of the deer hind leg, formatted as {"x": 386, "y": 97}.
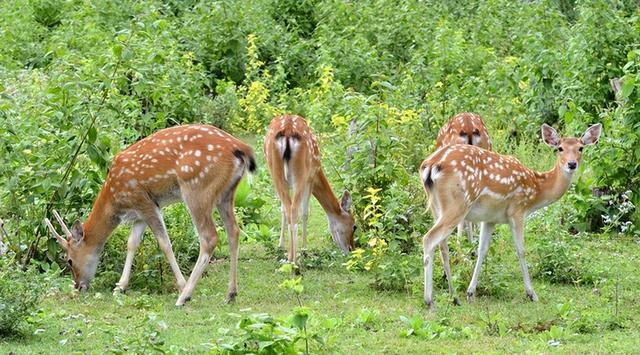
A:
{"x": 447, "y": 218}
{"x": 225, "y": 207}
{"x": 135, "y": 238}
{"x": 517, "y": 230}
{"x": 154, "y": 219}
{"x": 300, "y": 193}
{"x": 282, "y": 188}
{"x": 200, "y": 207}
{"x": 444, "y": 253}
{"x": 486, "y": 230}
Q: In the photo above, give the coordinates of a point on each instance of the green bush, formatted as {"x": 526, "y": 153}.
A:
{"x": 559, "y": 261}
{"x": 376, "y": 80}
{"x": 20, "y": 293}
{"x": 259, "y": 334}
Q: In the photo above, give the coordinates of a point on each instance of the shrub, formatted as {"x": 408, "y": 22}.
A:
{"x": 258, "y": 333}
{"x": 560, "y": 262}
{"x": 20, "y": 293}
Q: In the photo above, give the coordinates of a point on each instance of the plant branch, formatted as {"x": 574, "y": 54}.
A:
{"x": 94, "y": 117}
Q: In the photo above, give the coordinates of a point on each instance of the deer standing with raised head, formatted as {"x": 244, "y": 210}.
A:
{"x": 464, "y": 128}
{"x": 293, "y": 158}
{"x": 467, "y": 182}
{"x": 198, "y": 164}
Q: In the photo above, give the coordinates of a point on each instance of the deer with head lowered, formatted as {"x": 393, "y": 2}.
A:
{"x": 467, "y": 182}
{"x": 198, "y": 164}
{"x": 293, "y": 158}
{"x": 464, "y": 128}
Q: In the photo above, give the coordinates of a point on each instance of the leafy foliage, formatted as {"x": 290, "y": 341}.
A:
{"x": 560, "y": 262}
{"x": 375, "y": 80}
{"x": 20, "y": 294}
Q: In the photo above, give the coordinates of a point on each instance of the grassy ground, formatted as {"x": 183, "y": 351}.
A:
{"x": 351, "y": 316}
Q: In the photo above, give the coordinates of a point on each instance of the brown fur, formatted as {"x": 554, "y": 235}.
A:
{"x": 198, "y": 164}
{"x": 291, "y": 146}
{"x": 460, "y": 128}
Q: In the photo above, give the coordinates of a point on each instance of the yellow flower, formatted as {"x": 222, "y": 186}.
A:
{"x": 339, "y": 120}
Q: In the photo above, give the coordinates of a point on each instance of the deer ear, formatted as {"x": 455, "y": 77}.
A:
{"x": 77, "y": 232}
{"x": 550, "y": 136}
{"x": 345, "y": 203}
{"x": 592, "y": 134}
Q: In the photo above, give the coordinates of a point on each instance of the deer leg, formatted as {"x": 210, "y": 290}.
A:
{"x": 156, "y": 223}
{"x": 283, "y": 226}
{"x": 444, "y": 254}
{"x": 305, "y": 216}
{"x": 293, "y": 224}
{"x": 517, "y": 231}
{"x": 460, "y": 229}
{"x": 436, "y": 235}
{"x": 486, "y": 230}
{"x": 135, "y": 238}
{"x": 225, "y": 207}
{"x": 207, "y": 235}
{"x": 469, "y": 227}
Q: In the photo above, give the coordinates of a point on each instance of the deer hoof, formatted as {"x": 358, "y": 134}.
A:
{"x": 532, "y": 296}
{"x": 456, "y": 301}
{"x": 231, "y": 297}
{"x": 471, "y": 296}
{"x": 431, "y": 305}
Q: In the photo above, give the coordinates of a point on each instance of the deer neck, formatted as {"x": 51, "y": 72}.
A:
{"x": 552, "y": 185}
{"x": 101, "y": 221}
{"x": 324, "y": 194}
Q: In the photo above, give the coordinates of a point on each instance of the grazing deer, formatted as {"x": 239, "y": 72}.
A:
{"x": 293, "y": 158}
{"x": 198, "y": 164}
{"x": 464, "y": 181}
{"x": 464, "y": 128}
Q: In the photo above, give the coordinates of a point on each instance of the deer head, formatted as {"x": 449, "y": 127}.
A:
{"x": 570, "y": 149}
{"x": 81, "y": 257}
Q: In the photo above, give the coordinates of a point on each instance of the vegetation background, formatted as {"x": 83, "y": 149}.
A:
{"x": 80, "y": 80}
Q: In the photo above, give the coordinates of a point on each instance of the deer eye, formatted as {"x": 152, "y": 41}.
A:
{"x": 560, "y": 149}
{"x": 580, "y": 149}
{"x": 70, "y": 262}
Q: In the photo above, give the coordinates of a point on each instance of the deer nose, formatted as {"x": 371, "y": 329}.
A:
{"x": 572, "y": 164}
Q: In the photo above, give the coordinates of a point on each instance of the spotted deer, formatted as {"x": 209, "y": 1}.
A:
{"x": 198, "y": 164}
{"x": 293, "y": 158}
{"x": 467, "y": 182}
{"x": 464, "y": 128}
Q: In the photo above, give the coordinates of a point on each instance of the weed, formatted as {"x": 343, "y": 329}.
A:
{"x": 20, "y": 293}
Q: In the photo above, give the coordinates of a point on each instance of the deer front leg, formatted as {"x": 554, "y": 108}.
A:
{"x": 444, "y": 254}
{"x": 517, "y": 231}
{"x": 486, "y": 230}
{"x": 469, "y": 227}
{"x": 155, "y": 222}
{"x": 305, "y": 216}
{"x": 135, "y": 238}
{"x": 283, "y": 225}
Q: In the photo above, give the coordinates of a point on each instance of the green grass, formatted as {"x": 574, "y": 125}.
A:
{"x": 96, "y": 322}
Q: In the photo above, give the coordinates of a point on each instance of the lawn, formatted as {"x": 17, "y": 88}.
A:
{"x": 348, "y": 314}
